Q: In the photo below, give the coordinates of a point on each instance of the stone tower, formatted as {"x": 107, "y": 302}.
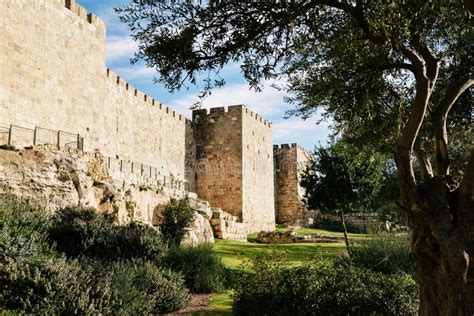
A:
{"x": 234, "y": 168}
{"x": 289, "y": 162}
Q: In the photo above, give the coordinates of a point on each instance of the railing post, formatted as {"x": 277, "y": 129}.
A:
{"x": 10, "y": 135}
{"x": 59, "y": 139}
{"x": 78, "y": 142}
{"x": 34, "y": 135}
{"x": 132, "y": 167}
{"x": 121, "y": 165}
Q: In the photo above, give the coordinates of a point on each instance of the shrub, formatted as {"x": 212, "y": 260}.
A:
{"x": 8, "y": 147}
{"x": 35, "y": 280}
{"x": 139, "y": 287}
{"x": 202, "y": 269}
{"x": 321, "y": 288}
{"x": 79, "y": 231}
{"x": 21, "y": 218}
{"x": 388, "y": 255}
{"x": 176, "y": 217}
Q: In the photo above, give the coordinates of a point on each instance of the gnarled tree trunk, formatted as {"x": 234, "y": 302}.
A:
{"x": 442, "y": 217}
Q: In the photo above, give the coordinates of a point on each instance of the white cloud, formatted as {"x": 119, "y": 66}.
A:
{"x": 120, "y": 47}
{"x": 270, "y": 105}
{"x": 135, "y": 72}
{"x": 112, "y": 21}
{"x": 296, "y": 130}
{"x": 267, "y": 103}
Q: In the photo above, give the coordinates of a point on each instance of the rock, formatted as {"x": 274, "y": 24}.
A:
{"x": 202, "y": 207}
{"x": 55, "y": 179}
{"x": 199, "y": 232}
{"x": 287, "y": 237}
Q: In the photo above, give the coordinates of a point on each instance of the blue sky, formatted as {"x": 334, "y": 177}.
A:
{"x": 268, "y": 103}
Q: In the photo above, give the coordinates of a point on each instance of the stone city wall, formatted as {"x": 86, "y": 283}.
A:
{"x": 52, "y": 65}
{"x": 258, "y": 189}
{"x": 289, "y": 163}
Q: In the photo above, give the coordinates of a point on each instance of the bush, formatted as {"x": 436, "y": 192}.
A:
{"x": 79, "y": 231}
{"x": 21, "y": 218}
{"x": 8, "y": 147}
{"x": 388, "y": 255}
{"x": 35, "y": 280}
{"x": 202, "y": 269}
{"x": 176, "y": 217}
{"x": 139, "y": 287}
{"x": 321, "y": 288}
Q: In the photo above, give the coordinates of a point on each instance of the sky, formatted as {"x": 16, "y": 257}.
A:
{"x": 269, "y": 103}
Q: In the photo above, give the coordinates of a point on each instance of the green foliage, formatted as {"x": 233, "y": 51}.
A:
{"x": 203, "y": 270}
{"x": 37, "y": 279}
{"x": 8, "y": 147}
{"x": 320, "y": 288}
{"x": 21, "y": 218}
{"x": 139, "y": 287}
{"x": 79, "y": 231}
{"x": 385, "y": 254}
{"x": 339, "y": 180}
{"x": 175, "y": 219}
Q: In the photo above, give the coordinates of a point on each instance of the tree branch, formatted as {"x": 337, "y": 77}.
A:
{"x": 432, "y": 62}
{"x": 406, "y": 176}
{"x": 423, "y": 159}
{"x": 439, "y": 118}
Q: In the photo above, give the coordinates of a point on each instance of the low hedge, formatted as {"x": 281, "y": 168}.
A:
{"x": 322, "y": 288}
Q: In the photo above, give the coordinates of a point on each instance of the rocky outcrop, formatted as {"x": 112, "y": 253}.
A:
{"x": 199, "y": 231}
{"x": 56, "y": 178}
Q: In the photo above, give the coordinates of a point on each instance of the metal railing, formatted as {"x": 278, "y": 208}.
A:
{"x": 22, "y": 137}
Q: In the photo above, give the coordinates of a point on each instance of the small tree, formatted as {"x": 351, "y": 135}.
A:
{"x": 176, "y": 218}
{"x": 336, "y": 182}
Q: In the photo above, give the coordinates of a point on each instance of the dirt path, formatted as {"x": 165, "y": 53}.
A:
{"x": 199, "y": 303}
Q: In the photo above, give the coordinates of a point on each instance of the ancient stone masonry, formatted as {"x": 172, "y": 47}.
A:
{"x": 289, "y": 162}
{"x": 234, "y": 164}
{"x": 52, "y": 65}
{"x": 53, "y": 75}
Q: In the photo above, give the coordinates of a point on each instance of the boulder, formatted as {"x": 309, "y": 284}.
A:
{"x": 199, "y": 231}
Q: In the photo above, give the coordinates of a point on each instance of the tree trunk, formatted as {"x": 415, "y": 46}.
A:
{"x": 346, "y": 236}
{"x": 443, "y": 243}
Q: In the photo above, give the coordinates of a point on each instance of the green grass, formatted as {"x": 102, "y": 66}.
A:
{"x": 222, "y": 302}
{"x": 235, "y": 253}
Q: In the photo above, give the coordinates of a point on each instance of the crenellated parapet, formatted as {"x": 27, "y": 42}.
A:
{"x": 142, "y": 97}
{"x": 230, "y": 110}
{"x": 289, "y": 162}
{"x": 294, "y": 146}
{"x": 76, "y": 8}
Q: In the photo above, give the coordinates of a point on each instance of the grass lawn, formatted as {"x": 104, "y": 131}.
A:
{"x": 222, "y": 303}
{"x": 235, "y": 253}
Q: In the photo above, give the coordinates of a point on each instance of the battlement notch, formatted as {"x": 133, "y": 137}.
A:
{"x": 81, "y": 11}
